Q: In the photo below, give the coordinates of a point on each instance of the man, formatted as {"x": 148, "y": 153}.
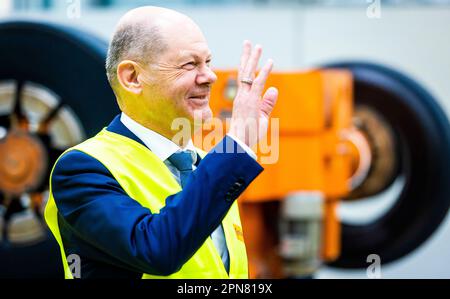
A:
{"x": 130, "y": 202}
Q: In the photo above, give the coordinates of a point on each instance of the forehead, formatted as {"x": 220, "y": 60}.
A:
{"x": 197, "y": 51}
{"x": 187, "y": 41}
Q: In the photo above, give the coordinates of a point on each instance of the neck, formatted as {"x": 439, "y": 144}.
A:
{"x": 181, "y": 136}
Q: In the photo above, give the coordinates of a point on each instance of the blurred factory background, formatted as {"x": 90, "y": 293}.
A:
{"x": 410, "y": 36}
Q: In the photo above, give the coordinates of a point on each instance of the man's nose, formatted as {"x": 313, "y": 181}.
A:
{"x": 206, "y": 76}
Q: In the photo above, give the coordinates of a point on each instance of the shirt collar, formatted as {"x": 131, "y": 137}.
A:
{"x": 161, "y": 146}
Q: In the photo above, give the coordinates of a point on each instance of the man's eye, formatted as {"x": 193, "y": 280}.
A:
{"x": 208, "y": 63}
{"x": 189, "y": 65}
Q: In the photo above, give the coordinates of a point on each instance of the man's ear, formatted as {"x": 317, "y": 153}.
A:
{"x": 127, "y": 75}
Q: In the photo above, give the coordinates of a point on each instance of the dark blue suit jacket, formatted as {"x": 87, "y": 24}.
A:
{"x": 116, "y": 237}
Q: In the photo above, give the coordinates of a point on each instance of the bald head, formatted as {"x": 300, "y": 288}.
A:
{"x": 152, "y": 16}
{"x": 143, "y": 34}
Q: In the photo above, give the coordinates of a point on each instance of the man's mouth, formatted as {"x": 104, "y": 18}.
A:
{"x": 200, "y": 98}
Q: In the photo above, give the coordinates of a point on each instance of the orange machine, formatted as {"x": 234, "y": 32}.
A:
{"x": 310, "y": 147}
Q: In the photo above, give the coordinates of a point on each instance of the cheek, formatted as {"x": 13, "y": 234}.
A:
{"x": 175, "y": 87}
{"x": 182, "y": 88}
{"x": 178, "y": 88}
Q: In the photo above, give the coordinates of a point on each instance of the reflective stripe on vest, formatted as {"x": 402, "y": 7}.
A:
{"x": 147, "y": 180}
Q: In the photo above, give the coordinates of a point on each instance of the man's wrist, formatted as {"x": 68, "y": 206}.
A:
{"x": 247, "y": 149}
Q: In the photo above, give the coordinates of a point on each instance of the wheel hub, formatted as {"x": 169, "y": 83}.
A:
{"x": 23, "y": 163}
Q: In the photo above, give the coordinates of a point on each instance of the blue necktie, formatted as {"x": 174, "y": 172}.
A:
{"x": 183, "y": 162}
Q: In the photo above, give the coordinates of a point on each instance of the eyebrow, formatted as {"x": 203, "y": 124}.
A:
{"x": 193, "y": 55}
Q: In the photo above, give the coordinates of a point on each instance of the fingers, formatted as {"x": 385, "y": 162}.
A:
{"x": 268, "y": 101}
{"x": 252, "y": 63}
{"x": 247, "y": 49}
{"x": 249, "y": 62}
{"x": 260, "y": 81}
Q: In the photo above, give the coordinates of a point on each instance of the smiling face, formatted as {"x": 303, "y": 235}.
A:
{"x": 178, "y": 83}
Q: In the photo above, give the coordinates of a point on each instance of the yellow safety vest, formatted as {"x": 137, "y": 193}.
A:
{"x": 146, "y": 179}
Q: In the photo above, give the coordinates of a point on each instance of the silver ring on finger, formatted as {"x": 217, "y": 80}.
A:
{"x": 247, "y": 81}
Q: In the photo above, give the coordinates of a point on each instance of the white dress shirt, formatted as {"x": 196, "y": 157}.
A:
{"x": 163, "y": 147}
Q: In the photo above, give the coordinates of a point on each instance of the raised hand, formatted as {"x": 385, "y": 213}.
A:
{"x": 251, "y": 112}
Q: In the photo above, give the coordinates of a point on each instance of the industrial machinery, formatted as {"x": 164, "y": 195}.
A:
{"x": 345, "y": 132}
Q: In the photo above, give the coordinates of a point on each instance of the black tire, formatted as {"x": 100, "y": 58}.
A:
{"x": 423, "y": 138}
{"x": 69, "y": 62}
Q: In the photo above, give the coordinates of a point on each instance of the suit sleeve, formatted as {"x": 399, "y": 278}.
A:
{"x": 100, "y": 213}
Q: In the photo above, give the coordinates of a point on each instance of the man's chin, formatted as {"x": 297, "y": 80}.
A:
{"x": 202, "y": 115}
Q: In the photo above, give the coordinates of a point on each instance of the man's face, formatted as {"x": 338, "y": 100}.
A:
{"x": 181, "y": 78}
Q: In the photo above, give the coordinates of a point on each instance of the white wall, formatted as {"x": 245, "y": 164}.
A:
{"x": 5, "y": 7}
